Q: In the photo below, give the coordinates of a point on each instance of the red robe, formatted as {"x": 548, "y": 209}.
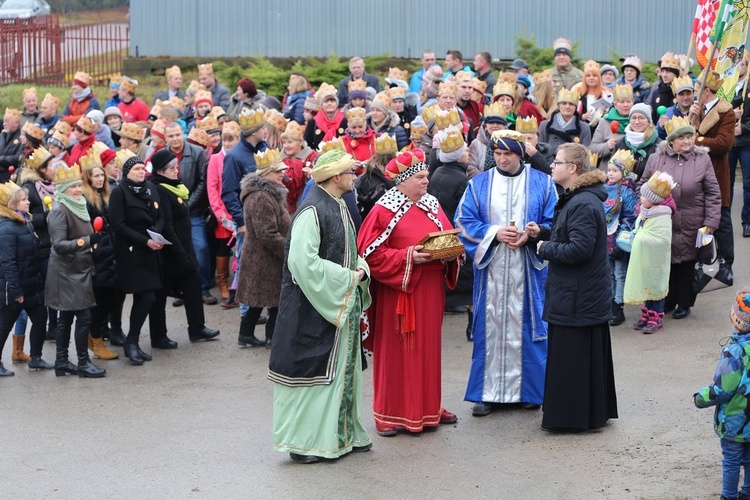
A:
{"x": 361, "y": 149}
{"x": 406, "y": 364}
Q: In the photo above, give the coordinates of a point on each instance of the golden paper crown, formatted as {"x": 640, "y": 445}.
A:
{"x": 662, "y": 184}
{"x": 208, "y": 123}
{"x": 276, "y": 120}
{"x": 156, "y": 108}
{"x": 198, "y": 136}
{"x": 714, "y": 81}
{"x": 633, "y": 61}
{"x": 593, "y": 158}
{"x": 60, "y": 137}
{"x": 251, "y": 119}
{"x": 356, "y": 116}
{"x": 6, "y": 191}
{"x": 669, "y": 60}
{"x": 325, "y": 90}
{"x": 504, "y": 88}
{"x": 206, "y": 69}
{"x": 624, "y": 157}
{"x": 495, "y": 109}
{"x": 336, "y": 143}
{"x": 562, "y": 43}
{"x": 132, "y": 131}
{"x": 385, "y": 144}
{"x": 87, "y": 124}
{"x": 397, "y": 93}
{"x": 417, "y": 129}
{"x": 397, "y": 74}
{"x": 682, "y": 83}
{"x": 463, "y": 76}
{"x": 527, "y": 125}
{"x": 622, "y": 92}
{"x": 177, "y": 103}
{"x": 591, "y": 66}
{"x": 82, "y": 77}
{"x": 233, "y": 128}
{"x": 358, "y": 84}
{"x": 35, "y": 131}
{"x": 382, "y": 99}
{"x": 37, "y": 158}
{"x": 28, "y": 93}
{"x": 98, "y": 147}
{"x": 52, "y": 101}
{"x": 115, "y": 80}
{"x": 90, "y": 160}
{"x": 543, "y": 77}
{"x": 217, "y": 112}
{"x": 478, "y": 85}
{"x": 444, "y": 119}
{"x": 12, "y": 114}
{"x": 64, "y": 127}
{"x": 566, "y": 95}
{"x": 265, "y": 159}
{"x": 173, "y": 71}
{"x": 293, "y": 131}
{"x": 508, "y": 78}
{"x": 122, "y": 156}
{"x": 451, "y": 139}
{"x": 203, "y": 96}
{"x": 194, "y": 87}
{"x": 159, "y": 128}
{"x": 448, "y": 88}
{"x": 428, "y": 114}
{"x": 128, "y": 84}
{"x": 63, "y": 174}
{"x": 676, "y": 123}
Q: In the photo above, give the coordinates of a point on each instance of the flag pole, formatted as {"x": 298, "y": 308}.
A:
{"x": 691, "y": 46}
{"x": 704, "y": 77}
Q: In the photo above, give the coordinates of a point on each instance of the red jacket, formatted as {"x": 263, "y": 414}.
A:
{"x": 295, "y": 179}
{"x": 361, "y": 149}
{"x": 76, "y": 109}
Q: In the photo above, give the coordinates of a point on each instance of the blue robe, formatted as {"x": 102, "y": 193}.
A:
{"x": 510, "y": 339}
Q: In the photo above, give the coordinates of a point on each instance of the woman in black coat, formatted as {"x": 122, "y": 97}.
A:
{"x": 21, "y": 283}
{"x": 179, "y": 263}
{"x": 372, "y": 184}
{"x": 579, "y": 389}
{"x": 134, "y": 208}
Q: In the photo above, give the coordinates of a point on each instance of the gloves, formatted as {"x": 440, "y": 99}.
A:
{"x": 95, "y": 238}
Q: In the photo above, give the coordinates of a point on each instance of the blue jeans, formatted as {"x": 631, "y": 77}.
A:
{"x": 735, "y": 455}
{"x": 655, "y": 305}
{"x": 240, "y": 239}
{"x": 619, "y": 270}
{"x": 743, "y": 155}
{"x": 200, "y": 246}
{"x": 21, "y": 323}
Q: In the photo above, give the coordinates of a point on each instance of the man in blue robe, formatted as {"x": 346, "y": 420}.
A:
{"x": 510, "y": 339}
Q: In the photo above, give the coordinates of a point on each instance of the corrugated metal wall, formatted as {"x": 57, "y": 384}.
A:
{"x": 403, "y": 28}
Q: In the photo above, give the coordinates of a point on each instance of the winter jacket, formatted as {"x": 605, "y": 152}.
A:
{"x": 267, "y": 223}
{"x": 38, "y": 210}
{"x": 295, "y": 178}
{"x": 213, "y": 186}
{"x": 295, "y": 107}
{"x": 178, "y": 258}
{"x": 477, "y": 154}
{"x": 343, "y": 92}
{"x": 235, "y": 105}
{"x": 448, "y": 184}
{"x": 697, "y": 195}
{"x": 70, "y": 272}
{"x": 641, "y": 88}
{"x": 565, "y": 79}
{"x": 655, "y": 99}
{"x": 370, "y": 186}
{"x": 716, "y": 132}
{"x": 104, "y": 134}
{"x": 193, "y": 166}
{"x": 729, "y": 390}
{"x": 624, "y": 218}
{"x": 237, "y": 164}
{"x": 552, "y": 134}
{"x": 11, "y": 153}
{"x": 578, "y": 288}
{"x": 640, "y": 158}
{"x": 363, "y": 148}
{"x": 602, "y": 135}
{"x": 742, "y": 140}
{"x": 19, "y": 261}
{"x": 105, "y": 270}
{"x": 75, "y": 109}
{"x": 392, "y": 127}
{"x": 48, "y": 124}
{"x": 220, "y": 95}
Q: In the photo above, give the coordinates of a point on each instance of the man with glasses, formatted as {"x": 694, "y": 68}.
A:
{"x": 428, "y": 61}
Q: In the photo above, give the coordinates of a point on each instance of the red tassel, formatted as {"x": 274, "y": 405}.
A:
{"x": 405, "y": 321}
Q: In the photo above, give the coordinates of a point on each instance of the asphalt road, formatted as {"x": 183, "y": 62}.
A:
{"x": 195, "y": 423}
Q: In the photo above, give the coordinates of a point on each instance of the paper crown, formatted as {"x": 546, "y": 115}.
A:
{"x": 86, "y": 124}
{"x": 670, "y": 61}
{"x": 29, "y": 93}
{"x": 128, "y": 84}
{"x": 385, "y": 144}
{"x": 622, "y": 92}
{"x": 593, "y": 158}
{"x": 714, "y": 81}
{"x": 507, "y": 77}
{"x": 682, "y": 83}
{"x": 90, "y": 160}
{"x": 6, "y": 191}
{"x": 172, "y": 71}
{"x": 623, "y": 158}
{"x": 405, "y": 161}
{"x": 417, "y": 128}
{"x": 543, "y": 77}
{"x": 206, "y": 69}
{"x": 52, "y": 101}
{"x": 527, "y": 125}
{"x": 566, "y": 95}
{"x": 591, "y": 66}
{"x": 504, "y": 88}
{"x": 208, "y": 124}
{"x": 251, "y": 120}
{"x": 203, "y": 96}
{"x": 233, "y": 128}
{"x": 64, "y": 127}
{"x": 397, "y": 93}
{"x": 444, "y": 119}
{"x": 217, "y": 112}
{"x": 676, "y": 123}
{"x": 562, "y": 44}
{"x": 661, "y": 184}
{"x": 198, "y": 136}
{"x": 356, "y": 116}
{"x": 59, "y": 138}
{"x": 177, "y": 103}
{"x": 194, "y": 87}
{"x": 265, "y": 159}
{"x": 382, "y": 99}
{"x": 358, "y": 85}
{"x": 159, "y": 128}
{"x": 463, "y": 76}
{"x": 276, "y": 120}
{"x": 98, "y": 147}
{"x": 336, "y": 143}
{"x": 312, "y": 104}
{"x": 478, "y": 85}
{"x": 633, "y": 61}
{"x": 156, "y": 108}
{"x": 451, "y": 139}
{"x": 448, "y": 88}
{"x": 325, "y": 90}
{"x": 12, "y": 114}
{"x": 293, "y": 131}
{"x": 82, "y": 77}
{"x": 131, "y": 131}
{"x": 64, "y": 175}
{"x": 428, "y": 113}
{"x": 35, "y": 132}
{"x": 122, "y": 156}
{"x": 37, "y": 158}
{"x": 495, "y": 109}
{"x": 397, "y": 74}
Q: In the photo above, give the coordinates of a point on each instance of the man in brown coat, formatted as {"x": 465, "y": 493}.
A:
{"x": 715, "y": 130}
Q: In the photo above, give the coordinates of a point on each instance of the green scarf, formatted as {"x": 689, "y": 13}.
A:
{"x": 640, "y": 150}
{"x": 613, "y": 116}
{"x": 180, "y": 190}
{"x": 78, "y": 207}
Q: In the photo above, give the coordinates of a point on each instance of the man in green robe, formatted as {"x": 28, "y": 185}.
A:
{"x": 316, "y": 359}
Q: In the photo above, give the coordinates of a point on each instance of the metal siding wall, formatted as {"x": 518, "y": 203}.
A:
{"x": 240, "y": 28}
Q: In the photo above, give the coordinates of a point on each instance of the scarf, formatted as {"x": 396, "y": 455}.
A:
{"x": 666, "y": 97}
{"x": 613, "y": 116}
{"x": 174, "y": 186}
{"x": 561, "y": 121}
{"x": 138, "y": 188}
{"x": 78, "y": 207}
{"x": 329, "y": 127}
{"x": 45, "y": 188}
{"x": 80, "y": 96}
{"x": 489, "y": 158}
{"x": 656, "y": 210}
{"x": 25, "y": 215}
{"x": 636, "y": 143}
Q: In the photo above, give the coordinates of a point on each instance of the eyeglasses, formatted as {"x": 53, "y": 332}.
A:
{"x": 557, "y": 163}
{"x": 350, "y": 172}
{"x": 78, "y": 129}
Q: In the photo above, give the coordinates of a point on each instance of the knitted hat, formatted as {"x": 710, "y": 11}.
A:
{"x": 525, "y": 81}
{"x": 330, "y": 163}
{"x": 248, "y": 86}
{"x": 642, "y": 109}
{"x": 112, "y": 111}
{"x": 382, "y": 102}
{"x": 58, "y": 139}
{"x": 97, "y": 116}
{"x": 130, "y": 163}
{"x": 509, "y": 140}
{"x": 658, "y": 188}
{"x": 740, "y": 312}
{"x": 562, "y": 46}
{"x": 405, "y": 165}
{"x": 161, "y": 159}
{"x": 107, "y": 156}
{"x": 609, "y": 67}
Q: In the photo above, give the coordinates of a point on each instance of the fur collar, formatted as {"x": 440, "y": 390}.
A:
{"x": 592, "y": 178}
{"x": 713, "y": 116}
{"x": 7, "y": 213}
{"x": 664, "y": 148}
{"x": 28, "y": 175}
{"x": 252, "y": 183}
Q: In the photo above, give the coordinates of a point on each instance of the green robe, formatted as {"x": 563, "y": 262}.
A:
{"x": 325, "y": 420}
{"x": 648, "y": 269}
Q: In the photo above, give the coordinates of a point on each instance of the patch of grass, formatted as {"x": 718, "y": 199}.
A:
{"x": 104, "y": 16}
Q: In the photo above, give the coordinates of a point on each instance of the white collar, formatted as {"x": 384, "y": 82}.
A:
{"x": 711, "y": 104}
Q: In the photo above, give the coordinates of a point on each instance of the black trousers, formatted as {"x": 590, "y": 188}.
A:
{"x": 725, "y": 237}
{"x": 143, "y": 302}
{"x": 38, "y": 316}
{"x": 106, "y": 300}
{"x": 115, "y": 316}
{"x": 250, "y": 319}
{"x": 680, "y": 285}
{"x": 81, "y": 335}
{"x": 190, "y": 285}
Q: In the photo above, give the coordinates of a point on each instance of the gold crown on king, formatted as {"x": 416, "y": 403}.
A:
{"x": 385, "y": 144}
{"x": 451, "y": 139}
{"x": 325, "y": 90}
{"x": 444, "y": 119}
{"x": 358, "y": 84}
{"x": 527, "y": 125}
{"x": 669, "y": 60}
{"x": 356, "y": 116}
{"x": 90, "y": 160}
{"x": 383, "y": 99}
{"x": 264, "y": 159}
{"x": 624, "y": 157}
{"x": 98, "y": 147}
{"x": 37, "y": 158}
{"x": 504, "y": 88}
{"x": 662, "y": 184}
{"x": 336, "y": 143}
{"x": 122, "y": 156}
{"x": 64, "y": 174}
{"x": 495, "y": 109}
{"x": 675, "y": 123}
{"x": 544, "y": 76}
{"x": 682, "y": 83}
{"x": 251, "y": 119}
{"x": 6, "y": 191}
{"x": 478, "y": 85}
{"x": 566, "y": 95}
{"x": 714, "y": 81}
{"x": 448, "y": 87}
{"x": 621, "y": 92}
{"x": 428, "y": 114}
{"x": 397, "y": 93}
{"x": 397, "y": 74}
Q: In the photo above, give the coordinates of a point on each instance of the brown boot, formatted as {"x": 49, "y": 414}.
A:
{"x": 100, "y": 350}
{"x": 222, "y": 272}
{"x": 18, "y": 355}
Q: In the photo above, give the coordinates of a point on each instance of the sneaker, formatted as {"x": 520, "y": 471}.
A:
{"x": 746, "y": 230}
{"x": 655, "y": 323}
{"x": 618, "y": 315}
{"x": 638, "y": 325}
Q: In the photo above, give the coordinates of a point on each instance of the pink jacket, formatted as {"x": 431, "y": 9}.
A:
{"x": 213, "y": 184}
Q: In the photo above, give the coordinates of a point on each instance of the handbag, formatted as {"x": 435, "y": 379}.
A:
{"x": 710, "y": 277}
{"x": 624, "y": 240}
{"x": 707, "y": 254}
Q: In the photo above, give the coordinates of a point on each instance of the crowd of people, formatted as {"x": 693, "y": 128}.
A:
{"x": 573, "y": 191}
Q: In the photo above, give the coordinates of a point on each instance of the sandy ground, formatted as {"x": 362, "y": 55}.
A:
{"x": 195, "y": 423}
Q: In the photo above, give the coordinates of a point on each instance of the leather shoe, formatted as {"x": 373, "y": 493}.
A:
{"x": 164, "y": 343}
{"x": 209, "y": 299}
{"x": 724, "y": 274}
{"x": 447, "y": 417}
{"x": 250, "y": 340}
{"x": 262, "y": 320}
{"x": 385, "y": 430}
{"x": 204, "y": 335}
{"x": 144, "y": 355}
{"x": 530, "y": 406}
{"x": 178, "y": 303}
{"x": 304, "y": 459}
{"x": 117, "y": 337}
{"x": 481, "y": 409}
{"x": 361, "y": 449}
{"x": 746, "y": 230}
{"x": 131, "y": 352}
{"x": 681, "y": 313}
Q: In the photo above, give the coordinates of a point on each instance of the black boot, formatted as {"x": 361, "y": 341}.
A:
{"x": 144, "y": 355}
{"x": 117, "y": 337}
{"x": 63, "y": 366}
{"x": 4, "y": 372}
{"x": 87, "y": 369}
{"x": 469, "y": 335}
{"x": 37, "y": 363}
{"x": 247, "y": 330}
{"x": 131, "y": 352}
{"x": 618, "y": 315}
